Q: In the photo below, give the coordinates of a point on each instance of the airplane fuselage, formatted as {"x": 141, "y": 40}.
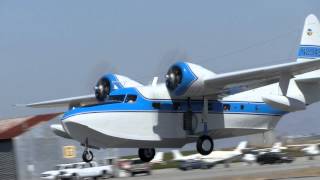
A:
{"x": 158, "y": 121}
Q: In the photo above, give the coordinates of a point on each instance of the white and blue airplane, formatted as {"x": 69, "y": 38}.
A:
{"x": 194, "y": 104}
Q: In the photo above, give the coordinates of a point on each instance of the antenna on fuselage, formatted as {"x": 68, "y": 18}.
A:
{"x": 154, "y": 81}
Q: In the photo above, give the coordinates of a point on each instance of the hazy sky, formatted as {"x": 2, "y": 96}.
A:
{"x": 55, "y": 49}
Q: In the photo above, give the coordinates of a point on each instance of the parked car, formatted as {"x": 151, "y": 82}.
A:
{"x": 87, "y": 170}
{"x": 53, "y": 174}
{"x": 194, "y": 164}
{"x": 273, "y": 158}
{"x": 136, "y": 166}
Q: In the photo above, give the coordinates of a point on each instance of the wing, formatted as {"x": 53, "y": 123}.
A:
{"x": 111, "y": 81}
{"x": 72, "y": 101}
{"x": 226, "y": 158}
{"x": 213, "y": 160}
{"x": 301, "y": 145}
{"x": 239, "y": 81}
{"x": 261, "y": 150}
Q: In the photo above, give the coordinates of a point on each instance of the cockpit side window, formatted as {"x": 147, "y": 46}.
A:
{"x": 117, "y": 98}
{"x": 131, "y": 98}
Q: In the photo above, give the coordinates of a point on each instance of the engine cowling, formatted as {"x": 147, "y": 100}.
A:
{"x": 186, "y": 79}
{"x": 109, "y": 82}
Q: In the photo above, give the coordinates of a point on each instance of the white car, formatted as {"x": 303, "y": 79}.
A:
{"x": 86, "y": 170}
{"x": 53, "y": 174}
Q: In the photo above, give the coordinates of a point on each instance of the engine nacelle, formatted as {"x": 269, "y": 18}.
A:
{"x": 110, "y": 82}
{"x": 187, "y": 79}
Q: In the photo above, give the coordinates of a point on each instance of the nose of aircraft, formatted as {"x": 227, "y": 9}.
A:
{"x": 75, "y": 128}
{"x": 84, "y": 128}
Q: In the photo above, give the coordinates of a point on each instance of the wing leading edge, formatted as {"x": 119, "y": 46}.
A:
{"x": 65, "y": 102}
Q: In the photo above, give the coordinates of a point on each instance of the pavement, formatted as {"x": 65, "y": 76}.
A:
{"x": 300, "y": 169}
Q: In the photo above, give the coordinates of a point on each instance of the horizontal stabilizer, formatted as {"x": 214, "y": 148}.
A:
{"x": 308, "y": 80}
{"x": 284, "y": 103}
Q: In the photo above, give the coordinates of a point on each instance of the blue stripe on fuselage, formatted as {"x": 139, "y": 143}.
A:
{"x": 143, "y": 104}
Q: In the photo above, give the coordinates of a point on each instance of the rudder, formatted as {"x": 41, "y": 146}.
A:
{"x": 310, "y": 39}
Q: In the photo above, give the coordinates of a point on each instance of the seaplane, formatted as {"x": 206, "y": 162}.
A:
{"x": 194, "y": 104}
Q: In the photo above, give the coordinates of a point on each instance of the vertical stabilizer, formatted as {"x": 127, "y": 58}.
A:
{"x": 158, "y": 158}
{"x": 177, "y": 155}
{"x": 310, "y": 39}
{"x": 277, "y": 147}
{"x": 242, "y": 145}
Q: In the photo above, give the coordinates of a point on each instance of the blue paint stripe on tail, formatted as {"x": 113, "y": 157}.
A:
{"x": 309, "y": 52}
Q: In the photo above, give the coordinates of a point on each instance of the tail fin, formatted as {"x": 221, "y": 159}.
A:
{"x": 177, "y": 155}
{"x": 158, "y": 157}
{"x": 277, "y": 147}
{"x": 242, "y": 145}
{"x": 310, "y": 40}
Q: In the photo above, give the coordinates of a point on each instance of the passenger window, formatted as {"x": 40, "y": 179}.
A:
{"x": 241, "y": 106}
{"x": 210, "y": 107}
{"x": 156, "y": 105}
{"x": 176, "y": 106}
{"x": 131, "y": 98}
{"x": 226, "y": 107}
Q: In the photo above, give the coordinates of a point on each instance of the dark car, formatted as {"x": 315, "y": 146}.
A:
{"x": 194, "y": 164}
{"x": 273, "y": 158}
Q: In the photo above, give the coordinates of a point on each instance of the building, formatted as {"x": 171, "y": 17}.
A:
{"x": 28, "y": 147}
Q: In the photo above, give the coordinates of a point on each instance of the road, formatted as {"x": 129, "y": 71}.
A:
{"x": 300, "y": 169}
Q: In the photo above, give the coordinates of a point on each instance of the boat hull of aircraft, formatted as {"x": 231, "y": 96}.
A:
{"x": 115, "y": 129}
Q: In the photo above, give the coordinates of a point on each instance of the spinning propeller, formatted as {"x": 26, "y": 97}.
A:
{"x": 102, "y": 89}
{"x": 173, "y": 78}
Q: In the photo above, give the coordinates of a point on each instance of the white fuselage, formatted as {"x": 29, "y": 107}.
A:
{"x": 213, "y": 157}
{"x": 312, "y": 150}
